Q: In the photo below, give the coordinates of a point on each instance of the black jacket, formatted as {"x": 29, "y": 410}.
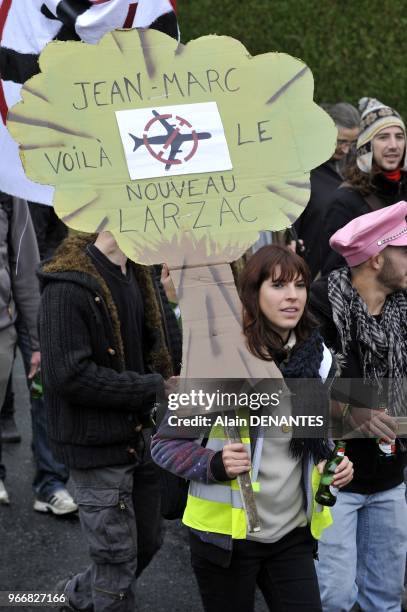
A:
{"x": 94, "y": 405}
{"x": 49, "y": 228}
{"x": 347, "y": 203}
{"x": 309, "y": 226}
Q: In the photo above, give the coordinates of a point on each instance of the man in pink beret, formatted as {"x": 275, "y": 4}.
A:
{"x": 362, "y": 308}
{"x": 368, "y": 235}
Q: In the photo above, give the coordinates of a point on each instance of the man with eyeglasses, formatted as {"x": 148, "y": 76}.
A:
{"x": 324, "y": 181}
{"x": 377, "y": 178}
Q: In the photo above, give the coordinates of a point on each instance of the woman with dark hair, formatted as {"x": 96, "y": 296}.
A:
{"x": 228, "y": 561}
{"x": 267, "y": 324}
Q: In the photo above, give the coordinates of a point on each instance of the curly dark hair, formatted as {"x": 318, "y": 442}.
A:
{"x": 360, "y": 181}
{"x": 262, "y": 341}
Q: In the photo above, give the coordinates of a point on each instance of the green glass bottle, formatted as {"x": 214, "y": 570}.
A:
{"x": 36, "y": 387}
{"x": 326, "y": 494}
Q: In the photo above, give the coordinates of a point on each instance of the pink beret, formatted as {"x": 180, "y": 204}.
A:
{"x": 369, "y": 234}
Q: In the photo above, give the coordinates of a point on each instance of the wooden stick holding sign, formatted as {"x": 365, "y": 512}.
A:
{"x": 245, "y": 484}
{"x": 214, "y": 346}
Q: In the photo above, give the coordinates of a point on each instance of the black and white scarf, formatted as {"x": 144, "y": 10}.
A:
{"x": 301, "y": 374}
{"x": 383, "y": 344}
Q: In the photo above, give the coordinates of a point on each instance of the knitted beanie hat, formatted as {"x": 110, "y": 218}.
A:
{"x": 375, "y": 116}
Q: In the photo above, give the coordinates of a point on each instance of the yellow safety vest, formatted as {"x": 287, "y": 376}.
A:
{"x": 218, "y": 508}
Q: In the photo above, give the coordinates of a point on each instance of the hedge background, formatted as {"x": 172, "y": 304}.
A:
{"x": 353, "y": 47}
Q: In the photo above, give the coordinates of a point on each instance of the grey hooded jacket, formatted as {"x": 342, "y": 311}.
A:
{"x": 19, "y": 259}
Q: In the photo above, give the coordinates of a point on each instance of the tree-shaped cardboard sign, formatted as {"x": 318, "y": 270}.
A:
{"x": 184, "y": 153}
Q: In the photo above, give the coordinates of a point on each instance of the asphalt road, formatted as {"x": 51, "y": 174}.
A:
{"x": 36, "y": 550}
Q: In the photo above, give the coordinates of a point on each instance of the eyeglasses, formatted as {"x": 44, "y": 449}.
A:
{"x": 346, "y": 143}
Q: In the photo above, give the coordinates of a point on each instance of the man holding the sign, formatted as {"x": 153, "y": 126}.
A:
{"x": 104, "y": 359}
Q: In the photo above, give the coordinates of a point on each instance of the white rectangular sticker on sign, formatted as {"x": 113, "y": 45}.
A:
{"x": 168, "y": 140}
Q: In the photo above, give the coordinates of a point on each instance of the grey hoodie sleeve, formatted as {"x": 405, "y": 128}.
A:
{"x": 24, "y": 260}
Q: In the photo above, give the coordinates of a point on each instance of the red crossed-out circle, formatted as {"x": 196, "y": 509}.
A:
{"x": 181, "y": 122}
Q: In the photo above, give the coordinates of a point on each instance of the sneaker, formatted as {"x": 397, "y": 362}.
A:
{"x": 9, "y": 431}
{"x": 60, "y": 503}
{"x": 4, "y": 498}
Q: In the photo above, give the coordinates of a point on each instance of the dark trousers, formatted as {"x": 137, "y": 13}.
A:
{"x": 2, "y": 466}
{"x": 7, "y": 409}
{"x": 284, "y": 572}
{"x": 50, "y": 475}
{"x": 8, "y": 338}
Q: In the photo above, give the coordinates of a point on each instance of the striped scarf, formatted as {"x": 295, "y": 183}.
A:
{"x": 26, "y": 26}
{"x": 383, "y": 344}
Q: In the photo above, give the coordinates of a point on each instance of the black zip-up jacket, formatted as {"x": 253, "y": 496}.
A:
{"x": 309, "y": 226}
{"x": 347, "y": 203}
{"x": 94, "y": 405}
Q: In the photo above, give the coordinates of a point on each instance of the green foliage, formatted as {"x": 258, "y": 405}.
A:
{"x": 354, "y": 48}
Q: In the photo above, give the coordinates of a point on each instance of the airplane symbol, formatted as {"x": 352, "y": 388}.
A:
{"x": 173, "y": 139}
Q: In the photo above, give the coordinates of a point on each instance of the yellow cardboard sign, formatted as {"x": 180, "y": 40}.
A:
{"x": 223, "y": 142}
